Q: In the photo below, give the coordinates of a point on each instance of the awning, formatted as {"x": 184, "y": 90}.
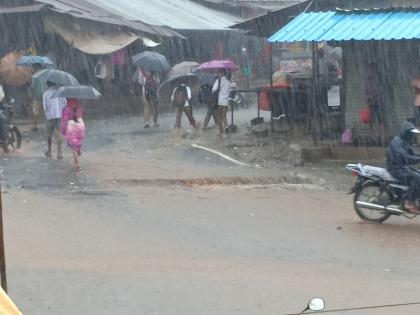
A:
{"x": 87, "y": 38}
{"x": 360, "y": 25}
{"x": 85, "y": 10}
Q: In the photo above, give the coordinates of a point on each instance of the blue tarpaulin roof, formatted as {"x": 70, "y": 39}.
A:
{"x": 353, "y": 25}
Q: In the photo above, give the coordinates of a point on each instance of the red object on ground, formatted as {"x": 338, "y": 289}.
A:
{"x": 264, "y": 101}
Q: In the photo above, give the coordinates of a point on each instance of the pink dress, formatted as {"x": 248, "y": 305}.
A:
{"x": 73, "y": 131}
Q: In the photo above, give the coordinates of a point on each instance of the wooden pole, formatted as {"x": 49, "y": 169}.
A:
{"x": 314, "y": 96}
{"x": 271, "y": 90}
{"x": 2, "y": 252}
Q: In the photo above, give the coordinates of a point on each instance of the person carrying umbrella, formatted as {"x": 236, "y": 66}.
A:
{"x": 72, "y": 122}
{"x": 150, "y": 63}
{"x": 208, "y": 98}
{"x": 53, "y": 108}
{"x": 73, "y": 129}
{"x": 151, "y": 104}
{"x": 181, "y": 98}
{"x": 221, "y": 90}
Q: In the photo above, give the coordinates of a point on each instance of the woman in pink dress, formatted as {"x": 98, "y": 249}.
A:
{"x": 73, "y": 128}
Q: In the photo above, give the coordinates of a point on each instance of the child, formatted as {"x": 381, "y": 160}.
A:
{"x": 73, "y": 129}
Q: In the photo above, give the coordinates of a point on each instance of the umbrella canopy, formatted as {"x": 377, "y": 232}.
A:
{"x": 31, "y": 60}
{"x": 219, "y": 64}
{"x": 151, "y": 61}
{"x": 166, "y": 88}
{"x": 11, "y": 74}
{"x": 56, "y": 76}
{"x": 82, "y": 92}
{"x": 185, "y": 67}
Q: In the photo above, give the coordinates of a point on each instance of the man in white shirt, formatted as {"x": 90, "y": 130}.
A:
{"x": 53, "y": 108}
{"x": 181, "y": 99}
{"x": 222, "y": 87}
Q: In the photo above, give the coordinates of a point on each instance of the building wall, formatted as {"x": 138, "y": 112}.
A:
{"x": 398, "y": 62}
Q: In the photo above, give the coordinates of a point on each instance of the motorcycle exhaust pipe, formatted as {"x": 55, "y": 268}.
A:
{"x": 373, "y": 206}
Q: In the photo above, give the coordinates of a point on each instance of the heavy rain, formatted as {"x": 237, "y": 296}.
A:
{"x": 209, "y": 156}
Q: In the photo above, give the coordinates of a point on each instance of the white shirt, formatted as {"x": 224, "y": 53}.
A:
{"x": 224, "y": 90}
{"x": 53, "y": 107}
{"x": 189, "y": 95}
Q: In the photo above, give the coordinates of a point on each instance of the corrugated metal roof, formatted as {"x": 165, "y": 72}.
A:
{"x": 94, "y": 12}
{"x": 178, "y": 14}
{"x": 22, "y": 9}
{"x": 395, "y": 24}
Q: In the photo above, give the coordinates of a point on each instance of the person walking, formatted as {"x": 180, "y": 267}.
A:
{"x": 211, "y": 103}
{"x": 222, "y": 87}
{"x": 151, "y": 105}
{"x": 53, "y": 108}
{"x": 374, "y": 96}
{"x": 73, "y": 129}
{"x": 181, "y": 99}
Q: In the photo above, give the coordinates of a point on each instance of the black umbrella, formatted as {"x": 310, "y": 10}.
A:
{"x": 56, "y": 76}
{"x": 151, "y": 61}
{"x": 192, "y": 80}
{"x": 79, "y": 92}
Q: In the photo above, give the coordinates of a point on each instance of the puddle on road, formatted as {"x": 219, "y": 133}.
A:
{"x": 222, "y": 182}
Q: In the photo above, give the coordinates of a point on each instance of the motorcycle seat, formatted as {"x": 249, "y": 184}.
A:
{"x": 379, "y": 172}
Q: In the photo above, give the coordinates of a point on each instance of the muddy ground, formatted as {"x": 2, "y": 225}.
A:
{"x": 155, "y": 226}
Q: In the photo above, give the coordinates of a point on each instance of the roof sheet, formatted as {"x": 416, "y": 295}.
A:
{"x": 353, "y": 25}
{"x": 22, "y": 9}
{"x": 94, "y": 12}
{"x": 178, "y": 14}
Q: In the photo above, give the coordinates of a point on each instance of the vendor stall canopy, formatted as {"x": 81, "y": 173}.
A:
{"x": 359, "y": 25}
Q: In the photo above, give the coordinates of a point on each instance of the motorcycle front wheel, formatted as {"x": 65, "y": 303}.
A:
{"x": 372, "y": 193}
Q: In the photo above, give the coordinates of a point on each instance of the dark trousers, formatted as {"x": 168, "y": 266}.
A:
{"x": 188, "y": 112}
{"x": 409, "y": 178}
{"x": 211, "y": 112}
{"x": 417, "y": 114}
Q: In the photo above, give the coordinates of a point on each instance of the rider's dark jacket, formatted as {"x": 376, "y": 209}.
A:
{"x": 399, "y": 154}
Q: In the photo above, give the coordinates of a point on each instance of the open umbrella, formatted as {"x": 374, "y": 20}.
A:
{"x": 219, "y": 64}
{"x": 166, "y": 88}
{"x": 184, "y": 67}
{"x": 56, "y": 76}
{"x": 83, "y": 92}
{"x": 151, "y": 61}
{"x": 31, "y": 60}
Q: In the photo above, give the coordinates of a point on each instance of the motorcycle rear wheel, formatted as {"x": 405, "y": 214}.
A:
{"x": 372, "y": 193}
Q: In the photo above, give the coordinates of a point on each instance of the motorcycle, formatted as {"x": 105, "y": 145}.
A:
{"x": 237, "y": 99}
{"x": 10, "y": 136}
{"x": 377, "y": 195}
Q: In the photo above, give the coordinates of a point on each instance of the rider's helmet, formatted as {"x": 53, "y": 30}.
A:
{"x": 407, "y": 130}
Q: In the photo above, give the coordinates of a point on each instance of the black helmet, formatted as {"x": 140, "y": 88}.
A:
{"x": 407, "y": 130}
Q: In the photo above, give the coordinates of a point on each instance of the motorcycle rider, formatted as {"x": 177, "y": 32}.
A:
{"x": 399, "y": 160}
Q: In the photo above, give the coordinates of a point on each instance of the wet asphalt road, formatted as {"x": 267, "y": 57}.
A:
{"x": 144, "y": 230}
